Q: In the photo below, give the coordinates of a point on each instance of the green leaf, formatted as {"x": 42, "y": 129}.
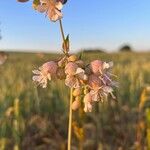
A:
{"x": 66, "y": 45}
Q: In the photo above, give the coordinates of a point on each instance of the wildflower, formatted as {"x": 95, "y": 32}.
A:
{"x": 96, "y": 66}
{"x": 108, "y": 90}
{"x": 97, "y": 95}
{"x": 71, "y": 68}
{"x": 101, "y": 93}
{"x": 99, "y": 67}
{"x": 52, "y": 8}
{"x": 46, "y": 72}
{"x": 75, "y": 75}
{"x": 94, "y": 82}
{"x": 87, "y": 102}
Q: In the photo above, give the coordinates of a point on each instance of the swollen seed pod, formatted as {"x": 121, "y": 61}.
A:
{"x": 76, "y": 104}
{"x": 77, "y": 92}
{"x": 72, "y": 58}
{"x": 85, "y": 90}
{"x": 78, "y": 98}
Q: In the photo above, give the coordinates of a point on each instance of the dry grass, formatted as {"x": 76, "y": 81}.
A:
{"x": 32, "y": 118}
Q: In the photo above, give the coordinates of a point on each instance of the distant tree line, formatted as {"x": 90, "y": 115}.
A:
{"x": 125, "y": 48}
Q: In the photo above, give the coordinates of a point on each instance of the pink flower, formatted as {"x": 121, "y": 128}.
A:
{"x": 108, "y": 90}
{"x": 87, "y": 102}
{"x": 96, "y": 66}
{"x": 50, "y": 67}
{"x": 52, "y": 9}
{"x": 96, "y": 95}
{"x": 102, "y": 93}
{"x": 71, "y": 68}
{"x": 75, "y": 78}
{"x": 94, "y": 82}
{"x": 45, "y": 72}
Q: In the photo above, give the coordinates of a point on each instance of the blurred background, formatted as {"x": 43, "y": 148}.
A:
{"x": 32, "y": 118}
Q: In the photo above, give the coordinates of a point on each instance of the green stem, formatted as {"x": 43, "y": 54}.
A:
{"x": 71, "y": 91}
{"x": 70, "y": 120}
{"x": 62, "y": 31}
{"x": 63, "y": 36}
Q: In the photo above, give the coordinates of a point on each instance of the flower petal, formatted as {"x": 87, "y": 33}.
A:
{"x": 41, "y": 8}
{"x": 59, "y": 5}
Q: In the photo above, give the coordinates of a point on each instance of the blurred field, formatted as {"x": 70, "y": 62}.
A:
{"x": 32, "y": 118}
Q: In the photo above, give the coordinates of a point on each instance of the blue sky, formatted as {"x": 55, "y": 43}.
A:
{"x": 103, "y": 24}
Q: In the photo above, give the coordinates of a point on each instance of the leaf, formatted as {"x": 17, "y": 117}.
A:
{"x": 66, "y": 45}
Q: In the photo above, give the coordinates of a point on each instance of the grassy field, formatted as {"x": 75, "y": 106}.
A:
{"x": 32, "y": 118}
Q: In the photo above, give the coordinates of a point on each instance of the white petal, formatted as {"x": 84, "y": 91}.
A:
{"x": 44, "y": 1}
{"x": 107, "y": 65}
{"x": 41, "y": 8}
{"x": 79, "y": 70}
{"x": 59, "y": 5}
{"x": 36, "y": 72}
{"x": 107, "y": 89}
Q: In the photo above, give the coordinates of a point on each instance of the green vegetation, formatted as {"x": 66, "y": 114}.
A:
{"x": 32, "y": 118}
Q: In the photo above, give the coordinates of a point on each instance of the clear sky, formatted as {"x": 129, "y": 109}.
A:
{"x": 103, "y": 24}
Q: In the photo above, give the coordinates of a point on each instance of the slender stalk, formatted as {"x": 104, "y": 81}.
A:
{"x": 63, "y": 36}
{"x": 62, "y": 31}
{"x": 71, "y": 91}
{"x": 70, "y": 120}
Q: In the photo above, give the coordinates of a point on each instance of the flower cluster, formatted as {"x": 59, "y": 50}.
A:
{"x": 90, "y": 82}
{"x": 52, "y": 8}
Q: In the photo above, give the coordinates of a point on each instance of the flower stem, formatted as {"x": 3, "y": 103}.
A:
{"x": 63, "y": 37}
{"x": 70, "y": 120}
{"x": 62, "y": 31}
{"x": 71, "y": 91}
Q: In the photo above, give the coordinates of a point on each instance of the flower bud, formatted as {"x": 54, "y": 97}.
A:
{"x": 76, "y": 104}
{"x": 72, "y": 58}
{"x": 77, "y": 92}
